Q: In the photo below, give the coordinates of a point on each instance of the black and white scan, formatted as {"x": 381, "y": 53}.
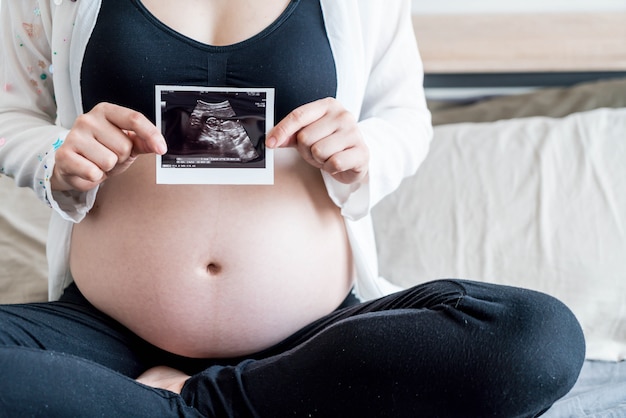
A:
{"x": 211, "y": 128}
{"x": 216, "y": 130}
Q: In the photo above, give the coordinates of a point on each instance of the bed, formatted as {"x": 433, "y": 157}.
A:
{"x": 531, "y": 201}
{"x": 524, "y": 184}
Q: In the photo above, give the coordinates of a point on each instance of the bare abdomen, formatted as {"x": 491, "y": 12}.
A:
{"x": 213, "y": 271}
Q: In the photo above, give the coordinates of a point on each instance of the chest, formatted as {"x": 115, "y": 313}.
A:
{"x": 217, "y": 22}
{"x": 131, "y": 50}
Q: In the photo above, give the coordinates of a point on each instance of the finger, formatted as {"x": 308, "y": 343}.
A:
{"x": 325, "y": 148}
{"x": 137, "y": 149}
{"x": 284, "y": 133}
{"x": 82, "y": 185}
{"x": 307, "y": 141}
{"x": 352, "y": 160}
{"x": 107, "y": 150}
{"x": 77, "y": 171}
{"x": 98, "y": 141}
{"x": 146, "y": 137}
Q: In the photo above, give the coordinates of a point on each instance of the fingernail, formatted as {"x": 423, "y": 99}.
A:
{"x": 271, "y": 142}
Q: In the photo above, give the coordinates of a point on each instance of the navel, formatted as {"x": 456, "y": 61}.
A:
{"x": 213, "y": 269}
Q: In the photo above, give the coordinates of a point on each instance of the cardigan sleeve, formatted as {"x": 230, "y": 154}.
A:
{"x": 29, "y": 136}
{"x": 393, "y": 119}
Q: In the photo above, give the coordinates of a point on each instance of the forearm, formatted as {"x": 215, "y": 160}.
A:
{"x": 394, "y": 120}
{"x": 29, "y": 135}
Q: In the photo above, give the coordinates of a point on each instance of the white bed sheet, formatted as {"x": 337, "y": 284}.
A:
{"x": 535, "y": 202}
{"x": 600, "y": 392}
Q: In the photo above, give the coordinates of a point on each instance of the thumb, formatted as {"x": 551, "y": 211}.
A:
{"x": 153, "y": 143}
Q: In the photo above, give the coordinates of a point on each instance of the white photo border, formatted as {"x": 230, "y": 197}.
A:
{"x": 220, "y": 176}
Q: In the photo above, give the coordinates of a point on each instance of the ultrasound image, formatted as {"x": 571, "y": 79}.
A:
{"x": 216, "y": 132}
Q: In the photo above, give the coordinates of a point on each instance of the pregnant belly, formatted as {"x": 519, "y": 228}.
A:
{"x": 213, "y": 271}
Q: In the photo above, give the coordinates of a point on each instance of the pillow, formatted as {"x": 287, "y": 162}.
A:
{"x": 537, "y": 202}
{"x": 23, "y": 231}
{"x": 554, "y": 102}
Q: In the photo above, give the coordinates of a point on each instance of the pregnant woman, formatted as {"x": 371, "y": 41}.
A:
{"x": 261, "y": 301}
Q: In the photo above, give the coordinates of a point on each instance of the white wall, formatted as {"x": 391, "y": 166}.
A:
{"x": 516, "y": 6}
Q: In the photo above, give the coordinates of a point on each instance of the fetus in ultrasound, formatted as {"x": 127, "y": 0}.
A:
{"x": 215, "y": 131}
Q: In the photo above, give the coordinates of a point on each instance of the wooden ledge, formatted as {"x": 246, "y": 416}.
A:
{"x": 543, "y": 42}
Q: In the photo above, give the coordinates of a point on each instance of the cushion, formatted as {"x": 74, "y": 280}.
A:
{"x": 554, "y": 102}
{"x": 23, "y": 226}
{"x": 536, "y": 202}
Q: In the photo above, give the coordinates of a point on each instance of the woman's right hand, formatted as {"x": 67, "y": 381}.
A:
{"x": 102, "y": 143}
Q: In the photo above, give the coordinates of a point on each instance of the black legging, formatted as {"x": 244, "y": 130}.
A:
{"x": 447, "y": 348}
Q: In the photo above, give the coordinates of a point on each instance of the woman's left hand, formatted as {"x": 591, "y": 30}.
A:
{"x": 327, "y": 136}
{"x": 163, "y": 377}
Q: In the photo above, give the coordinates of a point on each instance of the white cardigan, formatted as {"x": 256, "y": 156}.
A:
{"x": 379, "y": 75}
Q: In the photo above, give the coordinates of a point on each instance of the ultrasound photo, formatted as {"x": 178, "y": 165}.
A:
{"x": 215, "y": 135}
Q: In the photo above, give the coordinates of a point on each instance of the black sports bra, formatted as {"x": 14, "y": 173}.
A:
{"x": 130, "y": 51}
